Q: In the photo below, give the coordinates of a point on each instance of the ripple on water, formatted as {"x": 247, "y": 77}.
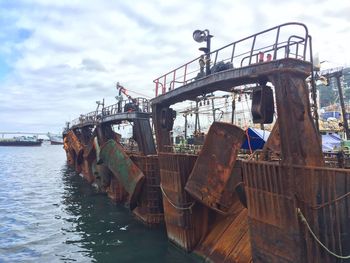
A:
{"x": 49, "y": 214}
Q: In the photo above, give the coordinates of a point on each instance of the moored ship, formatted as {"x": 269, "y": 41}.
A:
{"x": 282, "y": 204}
{"x": 55, "y": 139}
{"x": 21, "y": 141}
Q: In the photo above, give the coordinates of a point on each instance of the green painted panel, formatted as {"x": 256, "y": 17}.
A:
{"x": 128, "y": 174}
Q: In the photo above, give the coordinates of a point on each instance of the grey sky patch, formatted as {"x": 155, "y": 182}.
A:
{"x": 56, "y": 44}
{"x": 89, "y": 87}
{"x": 133, "y": 14}
{"x": 92, "y": 65}
{"x": 340, "y": 13}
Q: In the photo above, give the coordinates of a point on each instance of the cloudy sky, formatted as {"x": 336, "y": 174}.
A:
{"x": 58, "y": 57}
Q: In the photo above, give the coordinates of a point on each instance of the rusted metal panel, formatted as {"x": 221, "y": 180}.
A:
{"x": 76, "y": 150}
{"x": 213, "y": 168}
{"x": 97, "y": 149}
{"x": 149, "y": 206}
{"x": 329, "y": 214}
{"x": 272, "y": 147}
{"x": 300, "y": 142}
{"x": 143, "y": 135}
{"x": 105, "y": 132}
{"x": 161, "y": 132}
{"x": 128, "y": 174}
{"x": 229, "y": 195}
{"x": 274, "y": 227}
{"x": 69, "y": 151}
{"x": 89, "y": 155}
{"x": 75, "y": 144}
{"x": 86, "y": 170}
{"x": 274, "y": 194}
{"x": 89, "y": 152}
{"x": 116, "y": 191}
{"x": 70, "y": 158}
{"x": 102, "y": 176}
{"x": 228, "y": 237}
{"x": 66, "y": 145}
{"x": 272, "y": 188}
{"x": 184, "y": 218}
{"x": 233, "y": 245}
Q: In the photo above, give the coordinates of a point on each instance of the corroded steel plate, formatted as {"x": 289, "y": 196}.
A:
{"x": 74, "y": 143}
{"x": 214, "y": 165}
{"x": 128, "y": 174}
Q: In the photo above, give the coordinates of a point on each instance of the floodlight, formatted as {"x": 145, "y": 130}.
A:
{"x": 199, "y": 36}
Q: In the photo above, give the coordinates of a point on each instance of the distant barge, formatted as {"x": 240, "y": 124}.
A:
{"x": 281, "y": 204}
{"x": 55, "y": 139}
{"x": 21, "y": 141}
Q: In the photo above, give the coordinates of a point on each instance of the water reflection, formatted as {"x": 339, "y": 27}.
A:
{"x": 104, "y": 232}
{"x": 49, "y": 214}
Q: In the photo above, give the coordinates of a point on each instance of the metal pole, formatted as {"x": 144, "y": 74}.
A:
{"x": 233, "y": 108}
{"x": 314, "y": 102}
{"x": 120, "y": 101}
{"x": 196, "y": 124}
{"x": 199, "y": 125}
{"x": 342, "y": 105}
{"x": 185, "y": 115}
{"x": 207, "y": 57}
{"x": 213, "y": 108}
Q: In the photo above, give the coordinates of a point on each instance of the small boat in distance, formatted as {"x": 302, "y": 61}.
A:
{"x": 55, "y": 139}
{"x": 21, "y": 141}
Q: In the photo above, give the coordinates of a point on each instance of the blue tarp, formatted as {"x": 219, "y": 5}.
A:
{"x": 330, "y": 114}
{"x": 257, "y": 139}
{"x": 330, "y": 142}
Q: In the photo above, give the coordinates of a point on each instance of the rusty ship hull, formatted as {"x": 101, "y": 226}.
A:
{"x": 281, "y": 204}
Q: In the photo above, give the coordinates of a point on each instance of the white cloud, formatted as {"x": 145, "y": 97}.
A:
{"x": 77, "y": 50}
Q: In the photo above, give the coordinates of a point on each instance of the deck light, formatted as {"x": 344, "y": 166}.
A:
{"x": 201, "y": 36}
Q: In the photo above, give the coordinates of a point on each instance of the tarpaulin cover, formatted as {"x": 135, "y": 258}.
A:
{"x": 256, "y": 140}
{"x": 330, "y": 142}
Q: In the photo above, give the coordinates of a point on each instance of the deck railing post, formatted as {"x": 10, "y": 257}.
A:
{"x": 157, "y": 86}
{"x": 164, "y": 85}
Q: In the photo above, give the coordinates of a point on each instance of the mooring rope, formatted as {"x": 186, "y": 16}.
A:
{"x": 319, "y": 206}
{"x": 189, "y": 207}
{"x": 331, "y": 202}
{"x": 303, "y": 219}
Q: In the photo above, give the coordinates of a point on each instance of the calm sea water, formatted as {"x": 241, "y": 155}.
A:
{"x": 50, "y": 214}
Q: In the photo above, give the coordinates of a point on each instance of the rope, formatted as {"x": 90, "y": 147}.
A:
{"x": 248, "y": 139}
{"x": 319, "y": 206}
{"x": 330, "y": 202}
{"x": 138, "y": 93}
{"x": 189, "y": 207}
{"x": 303, "y": 219}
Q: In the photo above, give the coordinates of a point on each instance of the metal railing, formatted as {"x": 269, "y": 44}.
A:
{"x": 88, "y": 118}
{"x": 244, "y": 52}
{"x": 137, "y": 104}
{"x": 92, "y": 118}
